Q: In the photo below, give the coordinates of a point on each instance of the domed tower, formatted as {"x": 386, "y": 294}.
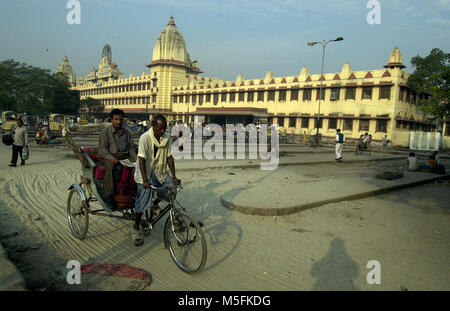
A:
{"x": 66, "y": 68}
{"x": 395, "y": 60}
{"x": 171, "y": 65}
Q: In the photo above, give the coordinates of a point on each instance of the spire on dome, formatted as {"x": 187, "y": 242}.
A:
{"x": 395, "y": 59}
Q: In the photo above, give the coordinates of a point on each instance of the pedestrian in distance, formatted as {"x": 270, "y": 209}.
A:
{"x": 340, "y": 139}
{"x": 385, "y": 142}
{"x": 20, "y": 135}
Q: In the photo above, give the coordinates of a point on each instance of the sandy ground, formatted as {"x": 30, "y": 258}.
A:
{"x": 324, "y": 248}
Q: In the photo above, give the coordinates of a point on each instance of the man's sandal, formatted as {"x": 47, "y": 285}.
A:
{"x": 138, "y": 237}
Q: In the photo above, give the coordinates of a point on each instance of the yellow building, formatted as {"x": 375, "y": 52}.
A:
{"x": 376, "y": 101}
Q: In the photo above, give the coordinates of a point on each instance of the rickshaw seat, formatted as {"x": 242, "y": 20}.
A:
{"x": 100, "y": 170}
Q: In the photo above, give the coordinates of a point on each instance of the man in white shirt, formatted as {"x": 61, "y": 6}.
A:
{"x": 340, "y": 139}
{"x": 154, "y": 156}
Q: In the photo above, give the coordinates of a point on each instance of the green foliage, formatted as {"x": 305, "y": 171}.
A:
{"x": 91, "y": 105}
{"x": 34, "y": 90}
{"x": 431, "y": 78}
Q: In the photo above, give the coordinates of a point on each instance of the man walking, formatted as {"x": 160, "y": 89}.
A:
{"x": 116, "y": 143}
{"x": 20, "y": 140}
{"x": 154, "y": 156}
{"x": 339, "y": 144}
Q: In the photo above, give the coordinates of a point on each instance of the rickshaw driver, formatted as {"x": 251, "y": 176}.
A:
{"x": 154, "y": 156}
{"x": 116, "y": 143}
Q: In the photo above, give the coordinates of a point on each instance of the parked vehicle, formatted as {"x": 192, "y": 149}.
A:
{"x": 8, "y": 120}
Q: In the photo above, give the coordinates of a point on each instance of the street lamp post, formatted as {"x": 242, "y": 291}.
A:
{"x": 323, "y": 44}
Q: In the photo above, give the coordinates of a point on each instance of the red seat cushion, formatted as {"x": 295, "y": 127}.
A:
{"x": 127, "y": 185}
{"x": 100, "y": 170}
{"x": 92, "y": 152}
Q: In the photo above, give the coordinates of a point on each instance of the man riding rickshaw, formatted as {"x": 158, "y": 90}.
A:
{"x": 364, "y": 143}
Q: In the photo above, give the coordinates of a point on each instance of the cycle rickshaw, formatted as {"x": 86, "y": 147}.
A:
{"x": 364, "y": 146}
{"x": 183, "y": 235}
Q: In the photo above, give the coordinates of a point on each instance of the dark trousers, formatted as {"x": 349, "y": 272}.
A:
{"x": 16, "y": 150}
{"x": 112, "y": 174}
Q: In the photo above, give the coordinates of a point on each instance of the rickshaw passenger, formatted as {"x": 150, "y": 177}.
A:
{"x": 116, "y": 143}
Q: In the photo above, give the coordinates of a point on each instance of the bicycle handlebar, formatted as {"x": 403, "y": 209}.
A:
{"x": 166, "y": 187}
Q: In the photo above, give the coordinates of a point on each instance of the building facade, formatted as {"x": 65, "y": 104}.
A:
{"x": 376, "y": 101}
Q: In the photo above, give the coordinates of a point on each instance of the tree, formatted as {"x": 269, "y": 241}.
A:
{"x": 34, "y": 90}
{"x": 430, "y": 81}
{"x": 63, "y": 99}
{"x": 91, "y": 105}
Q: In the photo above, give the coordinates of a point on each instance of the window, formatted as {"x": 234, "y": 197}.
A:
{"x": 318, "y": 124}
{"x": 208, "y": 98}
{"x": 181, "y": 99}
{"x": 293, "y": 122}
{"x": 282, "y": 95}
{"x": 385, "y": 92}
{"x": 348, "y": 125}
{"x": 194, "y": 99}
{"x": 241, "y": 96}
{"x": 186, "y": 98}
{"x": 281, "y": 121}
{"x": 350, "y": 93}
{"x": 200, "y": 99}
{"x": 215, "y": 98}
{"x": 260, "y": 96}
{"x": 307, "y": 94}
{"x": 271, "y": 96}
{"x": 322, "y": 97}
{"x": 363, "y": 125}
{"x": 335, "y": 92}
{"x": 305, "y": 123}
{"x": 332, "y": 123}
{"x": 401, "y": 96}
{"x": 367, "y": 92}
{"x": 224, "y": 97}
{"x": 232, "y": 96}
{"x": 250, "y": 96}
{"x": 154, "y": 83}
{"x": 294, "y": 94}
{"x": 381, "y": 126}
{"x": 154, "y": 98}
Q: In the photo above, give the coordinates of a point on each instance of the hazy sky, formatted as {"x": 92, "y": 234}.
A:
{"x": 226, "y": 37}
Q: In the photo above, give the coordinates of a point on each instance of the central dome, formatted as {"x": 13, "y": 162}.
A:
{"x": 170, "y": 46}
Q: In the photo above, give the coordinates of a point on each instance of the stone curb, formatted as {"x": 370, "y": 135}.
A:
{"x": 288, "y": 164}
{"x": 281, "y": 211}
{"x": 10, "y": 277}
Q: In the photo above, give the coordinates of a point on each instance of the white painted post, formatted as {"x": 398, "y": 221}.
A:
{"x": 411, "y": 140}
{"x": 427, "y": 147}
{"x": 419, "y": 141}
{"x": 437, "y": 139}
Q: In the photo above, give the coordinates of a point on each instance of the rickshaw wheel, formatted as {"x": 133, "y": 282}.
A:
{"x": 77, "y": 214}
{"x": 186, "y": 242}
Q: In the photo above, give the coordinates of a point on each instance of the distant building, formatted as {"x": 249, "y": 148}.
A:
{"x": 376, "y": 101}
{"x": 66, "y": 68}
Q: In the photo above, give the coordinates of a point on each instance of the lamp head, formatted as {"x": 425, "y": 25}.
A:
{"x": 339, "y": 38}
{"x": 312, "y": 43}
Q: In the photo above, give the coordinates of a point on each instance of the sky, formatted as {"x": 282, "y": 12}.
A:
{"x": 227, "y": 37}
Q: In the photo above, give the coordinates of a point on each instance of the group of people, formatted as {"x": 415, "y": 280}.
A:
{"x": 432, "y": 164}
{"x": 153, "y": 159}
